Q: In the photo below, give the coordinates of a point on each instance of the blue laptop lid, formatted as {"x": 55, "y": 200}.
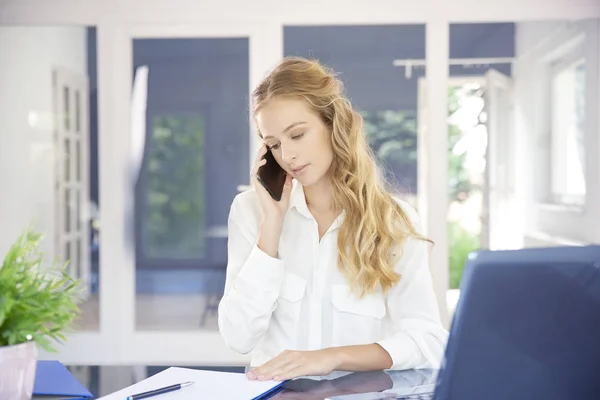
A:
{"x": 527, "y": 326}
{"x": 54, "y": 379}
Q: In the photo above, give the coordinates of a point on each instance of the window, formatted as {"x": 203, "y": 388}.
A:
{"x": 373, "y": 63}
{"x": 174, "y": 220}
{"x": 71, "y": 186}
{"x": 192, "y": 141}
{"x": 567, "y": 133}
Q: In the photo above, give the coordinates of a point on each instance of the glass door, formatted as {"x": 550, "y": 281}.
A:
{"x": 184, "y": 146}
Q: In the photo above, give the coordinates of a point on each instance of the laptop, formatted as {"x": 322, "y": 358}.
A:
{"x": 527, "y": 326}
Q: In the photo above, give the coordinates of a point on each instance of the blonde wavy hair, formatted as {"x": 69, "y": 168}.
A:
{"x": 375, "y": 227}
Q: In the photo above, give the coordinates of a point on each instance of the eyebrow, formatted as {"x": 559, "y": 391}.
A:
{"x": 290, "y": 127}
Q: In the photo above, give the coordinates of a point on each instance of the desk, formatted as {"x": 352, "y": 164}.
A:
{"x": 103, "y": 380}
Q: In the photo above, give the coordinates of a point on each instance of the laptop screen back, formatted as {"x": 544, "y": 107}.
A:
{"x": 527, "y": 326}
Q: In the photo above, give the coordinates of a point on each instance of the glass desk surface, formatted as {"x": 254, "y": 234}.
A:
{"x": 104, "y": 380}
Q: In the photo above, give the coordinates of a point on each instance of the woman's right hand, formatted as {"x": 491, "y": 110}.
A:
{"x": 273, "y": 212}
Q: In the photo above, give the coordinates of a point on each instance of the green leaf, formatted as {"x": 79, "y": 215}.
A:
{"x": 37, "y": 302}
{"x": 6, "y": 304}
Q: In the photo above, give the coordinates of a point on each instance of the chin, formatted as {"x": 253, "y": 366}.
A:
{"x": 308, "y": 180}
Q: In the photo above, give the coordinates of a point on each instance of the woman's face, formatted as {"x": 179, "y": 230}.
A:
{"x": 298, "y": 139}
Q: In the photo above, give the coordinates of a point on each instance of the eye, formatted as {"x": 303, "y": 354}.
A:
{"x": 298, "y": 136}
{"x": 273, "y": 147}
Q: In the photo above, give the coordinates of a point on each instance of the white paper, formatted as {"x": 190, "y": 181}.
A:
{"x": 208, "y": 385}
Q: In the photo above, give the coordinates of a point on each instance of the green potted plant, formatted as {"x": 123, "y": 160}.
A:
{"x": 38, "y": 303}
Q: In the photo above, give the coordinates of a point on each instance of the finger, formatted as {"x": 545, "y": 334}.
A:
{"x": 274, "y": 363}
{"x": 281, "y": 370}
{"x": 262, "y": 150}
{"x": 257, "y": 166}
{"x": 279, "y": 365}
{"x": 276, "y": 369}
{"x": 287, "y": 188}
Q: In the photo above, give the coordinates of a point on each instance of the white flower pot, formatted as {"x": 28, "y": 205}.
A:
{"x": 17, "y": 371}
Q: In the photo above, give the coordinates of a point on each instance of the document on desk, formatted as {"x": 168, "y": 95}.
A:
{"x": 207, "y": 385}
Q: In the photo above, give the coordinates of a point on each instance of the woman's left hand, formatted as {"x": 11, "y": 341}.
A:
{"x": 291, "y": 364}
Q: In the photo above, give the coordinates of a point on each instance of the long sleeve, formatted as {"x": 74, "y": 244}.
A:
{"x": 419, "y": 339}
{"x": 252, "y": 283}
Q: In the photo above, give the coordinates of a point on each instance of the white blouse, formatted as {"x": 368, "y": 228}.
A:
{"x": 301, "y": 301}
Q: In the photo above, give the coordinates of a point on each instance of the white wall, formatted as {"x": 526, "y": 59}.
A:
{"x": 548, "y": 223}
{"x": 311, "y": 12}
{"x": 26, "y": 126}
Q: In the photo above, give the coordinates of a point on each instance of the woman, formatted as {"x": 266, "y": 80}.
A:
{"x": 335, "y": 275}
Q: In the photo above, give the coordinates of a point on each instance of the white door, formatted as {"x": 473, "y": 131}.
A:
{"x": 73, "y": 219}
{"x": 499, "y": 191}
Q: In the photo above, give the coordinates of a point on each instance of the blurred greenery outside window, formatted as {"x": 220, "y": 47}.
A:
{"x": 392, "y": 136}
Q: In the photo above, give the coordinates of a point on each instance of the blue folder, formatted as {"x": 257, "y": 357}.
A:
{"x": 54, "y": 381}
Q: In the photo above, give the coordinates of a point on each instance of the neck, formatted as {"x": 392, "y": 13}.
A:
{"x": 318, "y": 196}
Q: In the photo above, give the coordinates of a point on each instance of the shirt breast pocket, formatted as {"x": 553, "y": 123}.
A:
{"x": 289, "y": 303}
{"x": 356, "y": 320}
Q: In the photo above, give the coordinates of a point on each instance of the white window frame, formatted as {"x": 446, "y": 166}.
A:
{"x": 565, "y": 60}
{"x": 548, "y": 222}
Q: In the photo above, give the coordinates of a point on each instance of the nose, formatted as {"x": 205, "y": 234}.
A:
{"x": 287, "y": 154}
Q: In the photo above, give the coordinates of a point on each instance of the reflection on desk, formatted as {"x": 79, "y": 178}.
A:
{"x": 349, "y": 386}
{"x": 103, "y": 380}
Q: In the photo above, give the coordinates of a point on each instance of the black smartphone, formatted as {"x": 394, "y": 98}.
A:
{"x": 272, "y": 176}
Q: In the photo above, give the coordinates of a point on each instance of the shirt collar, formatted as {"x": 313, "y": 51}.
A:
{"x": 298, "y": 201}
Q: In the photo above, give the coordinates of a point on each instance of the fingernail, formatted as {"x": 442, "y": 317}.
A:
{"x": 261, "y": 377}
{"x": 276, "y": 378}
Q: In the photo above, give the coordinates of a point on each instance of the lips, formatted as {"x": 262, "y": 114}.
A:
{"x": 299, "y": 169}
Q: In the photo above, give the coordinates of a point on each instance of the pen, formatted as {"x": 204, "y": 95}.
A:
{"x": 159, "y": 391}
